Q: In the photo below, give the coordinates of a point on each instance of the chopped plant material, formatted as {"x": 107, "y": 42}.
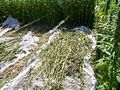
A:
{"x": 64, "y": 57}
{"x": 8, "y": 50}
{"x": 59, "y": 62}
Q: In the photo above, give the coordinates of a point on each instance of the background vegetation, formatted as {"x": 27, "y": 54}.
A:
{"x": 50, "y": 12}
{"x": 108, "y": 27}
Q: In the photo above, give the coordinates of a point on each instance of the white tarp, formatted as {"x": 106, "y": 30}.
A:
{"x": 28, "y": 43}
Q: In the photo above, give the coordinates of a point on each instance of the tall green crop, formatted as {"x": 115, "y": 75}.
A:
{"x": 50, "y": 12}
{"x": 108, "y": 56}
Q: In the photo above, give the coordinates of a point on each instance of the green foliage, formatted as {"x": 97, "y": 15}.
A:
{"x": 49, "y": 11}
{"x": 107, "y": 64}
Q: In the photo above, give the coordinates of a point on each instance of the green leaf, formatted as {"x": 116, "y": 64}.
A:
{"x": 118, "y": 78}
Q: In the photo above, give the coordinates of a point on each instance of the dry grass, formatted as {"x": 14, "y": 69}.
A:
{"x": 8, "y": 50}
{"x": 63, "y": 58}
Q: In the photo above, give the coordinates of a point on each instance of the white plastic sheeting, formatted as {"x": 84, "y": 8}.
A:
{"x": 89, "y": 34}
{"x": 11, "y": 22}
{"x": 94, "y": 43}
{"x": 4, "y": 31}
{"x": 3, "y": 39}
{"x": 53, "y": 35}
{"x": 72, "y": 83}
{"x": 12, "y": 83}
{"x": 28, "y": 43}
{"x": 15, "y": 81}
{"x": 84, "y": 29}
{"x": 51, "y": 39}
{"x": 4, "y": 66}
{"x": 89, "y": 77}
